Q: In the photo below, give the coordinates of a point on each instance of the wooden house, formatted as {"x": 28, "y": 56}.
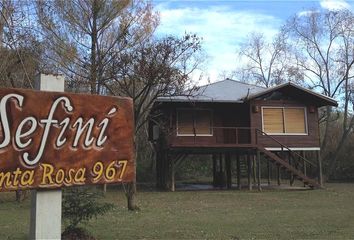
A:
{"x": 245, "y": 124}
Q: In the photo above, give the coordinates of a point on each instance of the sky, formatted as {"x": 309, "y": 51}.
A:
{"x": 225, "y": 25}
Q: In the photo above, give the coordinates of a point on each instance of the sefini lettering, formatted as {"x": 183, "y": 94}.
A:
{"x": 22, "y": 135}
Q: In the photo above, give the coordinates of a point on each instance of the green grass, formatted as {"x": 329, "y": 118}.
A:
{"x": 319, "y": 214}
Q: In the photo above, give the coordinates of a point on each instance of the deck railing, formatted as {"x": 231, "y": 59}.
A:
{"x": 220, "y": 136}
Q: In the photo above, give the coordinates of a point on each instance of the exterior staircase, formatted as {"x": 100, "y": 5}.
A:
{"x": 298, "y": 174}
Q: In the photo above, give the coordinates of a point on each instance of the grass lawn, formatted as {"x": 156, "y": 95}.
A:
{"x": 319, "y": 214}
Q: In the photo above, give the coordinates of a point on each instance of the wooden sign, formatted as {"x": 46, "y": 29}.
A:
{"x": 51, "y": 139}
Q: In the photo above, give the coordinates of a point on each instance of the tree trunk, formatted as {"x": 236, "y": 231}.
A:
{"x": 93, "y": 57}
{"x": 18, "y": 195}
{"x": 130, "y": 193}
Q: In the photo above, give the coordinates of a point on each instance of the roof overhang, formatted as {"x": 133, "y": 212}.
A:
{"x": 319, "y": 99}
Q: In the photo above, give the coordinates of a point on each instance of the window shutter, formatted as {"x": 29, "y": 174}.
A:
{"x": 203, "y": 122}
{"x": 185, "y": 122}
{"x": 273, "y": 121}
{"x": 295, "y": 120}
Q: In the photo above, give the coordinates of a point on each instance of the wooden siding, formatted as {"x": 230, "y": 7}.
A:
{"x": 311, "y": 139}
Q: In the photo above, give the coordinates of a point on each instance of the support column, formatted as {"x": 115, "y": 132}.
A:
{"x": 319, "y": 168}
{"x": 173, "y": 187}
{"x": 254, "y": 165}
{"x": 278, "y": 175}
{"x": 259, "y": 170}
{"x": 228, "y": 170}
{"x": 45, "y": 220}
{"x": 238, "y": 172}
{"x": 221, "y": 173}
{"x": 291, "y": 175}
{"x": 304, "y": 165}
{"x": 214, "y": 169}
{"x": 269, "y": 172}
{"x": 249, "y": 171}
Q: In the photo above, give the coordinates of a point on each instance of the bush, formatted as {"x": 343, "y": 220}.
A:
{"x": 80, "y": 204}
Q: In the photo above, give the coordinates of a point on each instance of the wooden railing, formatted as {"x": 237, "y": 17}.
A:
{"x": 228, "y": 136}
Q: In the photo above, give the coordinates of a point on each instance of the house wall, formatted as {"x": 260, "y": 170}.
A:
{"x": 231, "y": 115}
{"x": 310, "y": 140}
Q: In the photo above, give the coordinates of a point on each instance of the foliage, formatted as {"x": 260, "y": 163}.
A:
{"x": 81, "y": 204}
{"x": 194, "y": 167}
{"x": 83, "y": 37}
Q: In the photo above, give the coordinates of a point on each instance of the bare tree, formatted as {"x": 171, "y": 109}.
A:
{"x": 325, "y": 53}
{"x": 267, "y": 63}
{"x": 19, "y": 49}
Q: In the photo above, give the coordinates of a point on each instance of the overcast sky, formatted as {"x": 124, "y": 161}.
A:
{"x": 223, "y": 25}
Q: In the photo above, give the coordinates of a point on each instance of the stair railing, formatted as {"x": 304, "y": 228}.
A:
{"x": 292, "y": 155}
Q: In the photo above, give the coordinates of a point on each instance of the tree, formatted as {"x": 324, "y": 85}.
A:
{"x": 268, "y": 64}
{"x": 153, "y": 69}
{"x": 325, "y": 53}
{"x": 19, "y": 50}
{"x": 83, "y": 37}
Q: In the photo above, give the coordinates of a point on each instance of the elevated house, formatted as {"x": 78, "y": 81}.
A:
{"x": 260, "y": 130}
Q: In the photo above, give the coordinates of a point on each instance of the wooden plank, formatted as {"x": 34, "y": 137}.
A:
{"x": 52, "y": 139}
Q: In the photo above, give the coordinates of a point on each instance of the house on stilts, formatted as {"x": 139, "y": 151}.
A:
{"x": 262, "y": 130}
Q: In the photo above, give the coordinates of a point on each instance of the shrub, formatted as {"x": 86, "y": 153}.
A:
{"x": 80, "y": 204}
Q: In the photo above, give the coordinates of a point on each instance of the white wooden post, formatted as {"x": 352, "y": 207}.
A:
{"x": 45, "y": 222}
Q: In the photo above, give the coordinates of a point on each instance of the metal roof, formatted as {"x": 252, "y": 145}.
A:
{"x": 234, "y": 91}
{"x": 223, "y": 91}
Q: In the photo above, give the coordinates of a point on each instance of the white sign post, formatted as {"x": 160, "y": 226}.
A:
{"x": 45, "y": 220}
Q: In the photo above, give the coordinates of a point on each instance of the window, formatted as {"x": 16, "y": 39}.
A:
{"x": 284, "y": 120}
{"x": 194, "y": 121}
